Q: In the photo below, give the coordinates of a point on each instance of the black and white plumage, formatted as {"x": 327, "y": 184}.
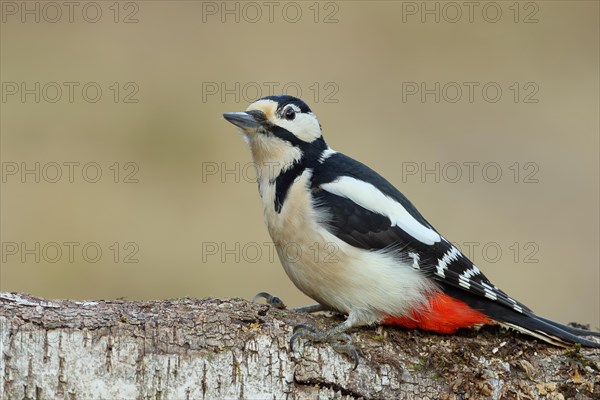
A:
{"x": 392, "y": 265}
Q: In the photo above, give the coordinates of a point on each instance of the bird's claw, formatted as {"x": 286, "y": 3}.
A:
{"x": 340, "y": 342}
{"x": 273, "y": 301}
{"x": 307, "y": 332}
{"x": 350, "y": 351}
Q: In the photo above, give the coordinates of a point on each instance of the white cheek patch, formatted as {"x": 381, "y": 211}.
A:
{"x": 368, "y": 196}
{"x": 305, "y": 126}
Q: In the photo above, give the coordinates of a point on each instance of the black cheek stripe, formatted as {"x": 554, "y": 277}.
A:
{"x": 283, "y": 183}
{"x": 311, "y": 152}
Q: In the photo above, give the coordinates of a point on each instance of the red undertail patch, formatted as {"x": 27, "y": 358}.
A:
{"x": 444, "y": 315}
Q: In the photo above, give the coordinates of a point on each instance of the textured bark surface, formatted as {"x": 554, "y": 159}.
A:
{"x": 232, "y": 349}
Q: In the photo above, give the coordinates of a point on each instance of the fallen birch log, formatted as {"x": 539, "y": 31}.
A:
{"x": 233, "y": 349}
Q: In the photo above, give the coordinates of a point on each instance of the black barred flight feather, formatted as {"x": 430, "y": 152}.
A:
{"x": 362, "y": 226}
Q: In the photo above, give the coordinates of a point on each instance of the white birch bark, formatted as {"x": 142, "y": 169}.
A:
{"x": 232, "y": 349}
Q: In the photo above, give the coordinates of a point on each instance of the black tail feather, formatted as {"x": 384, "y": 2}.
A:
{"x": 528, "y": 323}
{"x": 538, "y": 327}
{"x": 570, "y": 329}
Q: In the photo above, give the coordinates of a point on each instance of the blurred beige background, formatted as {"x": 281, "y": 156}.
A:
{"x": 197, "y": 230}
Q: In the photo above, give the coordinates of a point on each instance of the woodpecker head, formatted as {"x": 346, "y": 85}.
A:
{"x": 279, "y": 128}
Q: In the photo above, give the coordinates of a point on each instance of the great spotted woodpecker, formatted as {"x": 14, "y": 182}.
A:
{"x": 390, "y": 265}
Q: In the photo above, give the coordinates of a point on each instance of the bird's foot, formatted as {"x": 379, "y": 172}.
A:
{"x": 276, "y": 302}
{"x": 338, "y": 340}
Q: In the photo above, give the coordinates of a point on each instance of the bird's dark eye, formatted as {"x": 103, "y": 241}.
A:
{"x": 290, "y": 114}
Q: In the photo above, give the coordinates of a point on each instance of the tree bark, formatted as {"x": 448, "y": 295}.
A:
{"x": 233, "y": 349}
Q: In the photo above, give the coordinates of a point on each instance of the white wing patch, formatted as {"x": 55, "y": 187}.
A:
{"x": 368, "y": 196}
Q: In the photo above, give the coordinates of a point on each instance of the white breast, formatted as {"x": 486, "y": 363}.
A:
{"x": 370, "y": 284}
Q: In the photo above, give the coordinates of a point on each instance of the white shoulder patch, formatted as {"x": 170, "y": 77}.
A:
{"x": 368, "y": 196}
{"x": 326, "y": 154}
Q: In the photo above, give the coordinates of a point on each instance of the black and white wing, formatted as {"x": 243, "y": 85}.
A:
{"x": 370, "y": 213}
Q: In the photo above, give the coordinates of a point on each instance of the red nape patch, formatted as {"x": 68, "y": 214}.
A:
{"x": 444, "y": 315}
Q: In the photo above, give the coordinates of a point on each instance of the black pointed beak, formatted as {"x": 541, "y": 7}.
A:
{"x": 242, "y": 120}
